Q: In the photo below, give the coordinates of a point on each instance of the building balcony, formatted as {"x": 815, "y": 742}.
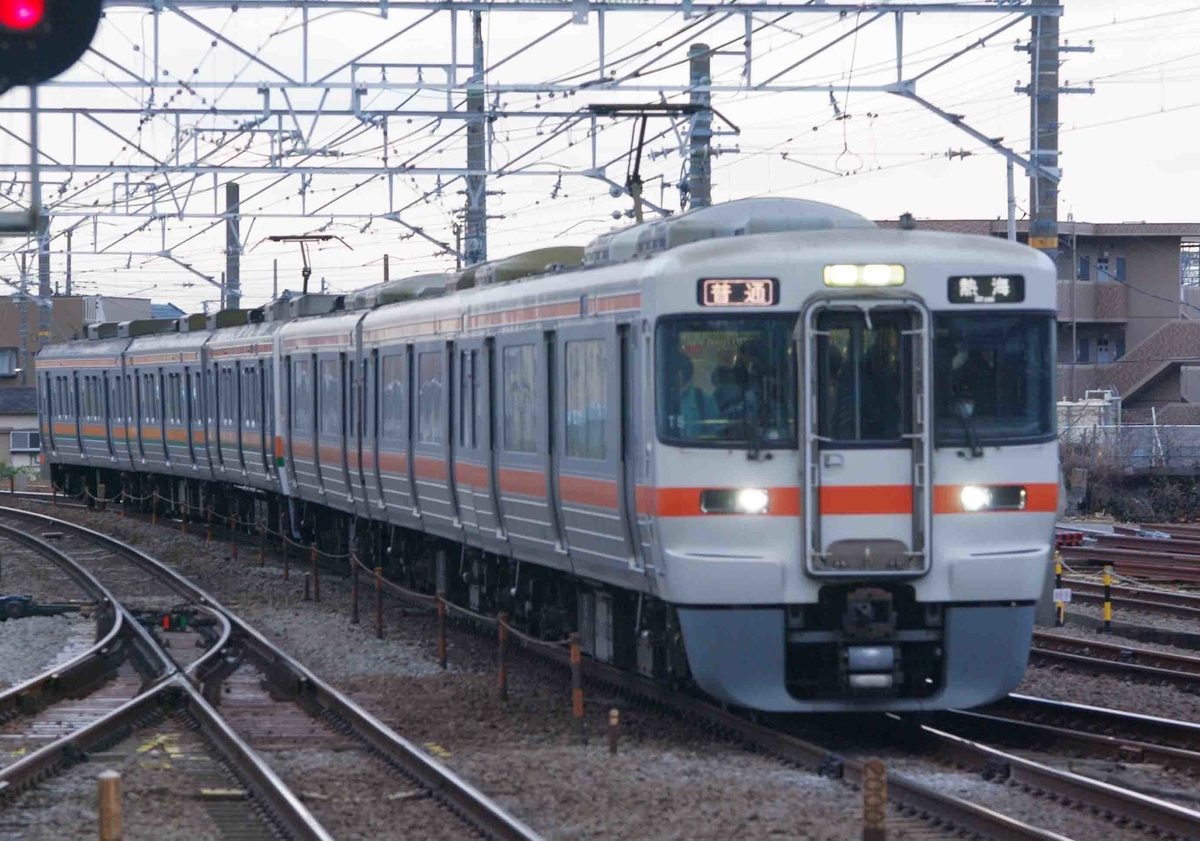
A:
{"x": 1098, "y": 301}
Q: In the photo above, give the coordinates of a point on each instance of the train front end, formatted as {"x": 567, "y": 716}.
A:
{"x": 856, "y": 465}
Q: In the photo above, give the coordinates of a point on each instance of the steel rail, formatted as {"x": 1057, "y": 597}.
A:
{"x": 1166, "y": 816}
{"x": 911, "y": 795}
{"x": 1179, "y": 603}
{"x": 972, "y": 724}
{"x": 145, "y": 646}
{"x": 88, "y": 668}
{"x": 174, "y": 694}
{"x": 1117, "y": 659}
{"x": 281, "y": 803}
{"x": 288, "y": 673}
{"x": 1165, "y": 731}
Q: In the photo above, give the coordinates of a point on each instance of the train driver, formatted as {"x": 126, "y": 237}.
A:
{"x": 693, "y": 407}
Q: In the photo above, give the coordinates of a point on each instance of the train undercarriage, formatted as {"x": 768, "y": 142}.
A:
{"x": 629, "y": 630}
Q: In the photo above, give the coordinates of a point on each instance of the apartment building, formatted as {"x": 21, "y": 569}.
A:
{"x": 1128, "y": 311}
{"x": 23, "y": 331}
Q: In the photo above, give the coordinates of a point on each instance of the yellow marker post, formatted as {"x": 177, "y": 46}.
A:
{"x": 1108, "y": 570}
{"x": 1060, "y": 607}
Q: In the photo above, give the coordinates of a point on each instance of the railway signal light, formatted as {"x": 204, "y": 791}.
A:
{"x": 40, "y": 39}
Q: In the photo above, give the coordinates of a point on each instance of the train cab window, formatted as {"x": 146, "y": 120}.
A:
{"x": 726, "y": 381}
{"x": 520, "y": 399}
{"x": 393, "y": 397}
{"x": 330, "y": 408}
{"x": 994, "y": 377}
{"x": 863, "y": 377}
{"x": 429, "y": 398}
{"x": 587, "y": 398}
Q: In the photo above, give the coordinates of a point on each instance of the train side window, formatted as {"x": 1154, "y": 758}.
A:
{"x": 520, "y": 399}
{"x": 429, "y": 398}
{"x": 464, "y": 402}
{"x": 212, "y": 397}
{"x": 587, "y": 398}
{"x": 301, "y": 413}
{"x": 194, "y": 384}
{"x": 393, "y": 396}
{"x": 329, "y": 408}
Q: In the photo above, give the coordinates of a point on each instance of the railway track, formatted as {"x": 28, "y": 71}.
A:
{"x": 917, "y": 806}
{"x": 1116, "y": 659}
{"x": 1181, "y": 604}
{"x": 1080, "y": 730}
{"x": 1117, "y": 724}
{"x": 248, "y": 676}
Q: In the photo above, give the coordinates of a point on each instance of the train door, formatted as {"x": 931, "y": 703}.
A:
{"x": 631, "y": 467}
{"x": 160, "y": 411}
{"x": 199, "y": 420}
{"x": 356, "y": 432}
{"x": 522, "y": 436}
{"x": 867, "y": 452}
{"x": 346, "y": 423}
{"x": 431, "y": 438}
{"x": 470, "y": 458}
{"x": 371, "y": 426}
{"x": 107, "y": 417}
{"x": 587, "y": 450}
{"x": 214, "y": 406}
{"x": 48, "y": 409}
{"x": 116, "y": 416}
{"x": 133, "y": 393}
{"x": 240, "y": 411}
{"x": 266, "y": 428}
{"x": 76, "y": 399}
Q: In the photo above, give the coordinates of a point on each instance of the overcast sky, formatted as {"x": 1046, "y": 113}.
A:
{"x": 1130, "y": 150}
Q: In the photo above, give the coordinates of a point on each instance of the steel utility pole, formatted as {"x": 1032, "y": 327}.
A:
{"x": 23, "y": 297}
{"x": 476, "y": 215}
{"x": 44, "y": 291}
{"x": 699, "y": 156}
{"x": 1043, "y": 90}
{"x": 231, "y": 288}
{"x": 67, "y": 285}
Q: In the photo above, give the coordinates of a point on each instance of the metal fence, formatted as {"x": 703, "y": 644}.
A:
{"x": 1134, "y": 448}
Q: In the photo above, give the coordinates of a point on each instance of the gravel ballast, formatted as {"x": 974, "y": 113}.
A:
{"x": 36, "y": 644}
{"x": 1068, "y": 683}
{"x": 164, "y": 770}
{"x": 669, "y": 780}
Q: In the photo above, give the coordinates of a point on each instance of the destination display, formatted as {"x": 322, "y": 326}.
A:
{"x": 987, "y": 289}
{"x": 738, "y": 292}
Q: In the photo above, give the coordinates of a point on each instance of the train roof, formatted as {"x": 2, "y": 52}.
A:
{"x": 875, "y": 245}
{"x": 80, "y": 347}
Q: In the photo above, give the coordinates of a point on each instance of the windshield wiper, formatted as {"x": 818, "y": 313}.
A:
{"x": 965, "y": 408}
{"x": 754, "y": 453}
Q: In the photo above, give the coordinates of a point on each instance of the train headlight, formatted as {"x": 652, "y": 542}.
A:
{"x": 992, "y": 498}
{"x": 752, "y": 501}
{"x": 848, "y": 275}
{"x": 975, "y": 498}
{"x": 735, "y": 501}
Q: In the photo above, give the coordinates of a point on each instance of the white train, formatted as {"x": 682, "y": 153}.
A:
{"x": 767, "y": 448}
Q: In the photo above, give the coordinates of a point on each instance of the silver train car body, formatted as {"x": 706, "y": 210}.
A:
{"x": 803, "y": 462}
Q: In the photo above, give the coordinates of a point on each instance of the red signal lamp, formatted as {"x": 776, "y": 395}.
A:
{"x": 21, "y": 15}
